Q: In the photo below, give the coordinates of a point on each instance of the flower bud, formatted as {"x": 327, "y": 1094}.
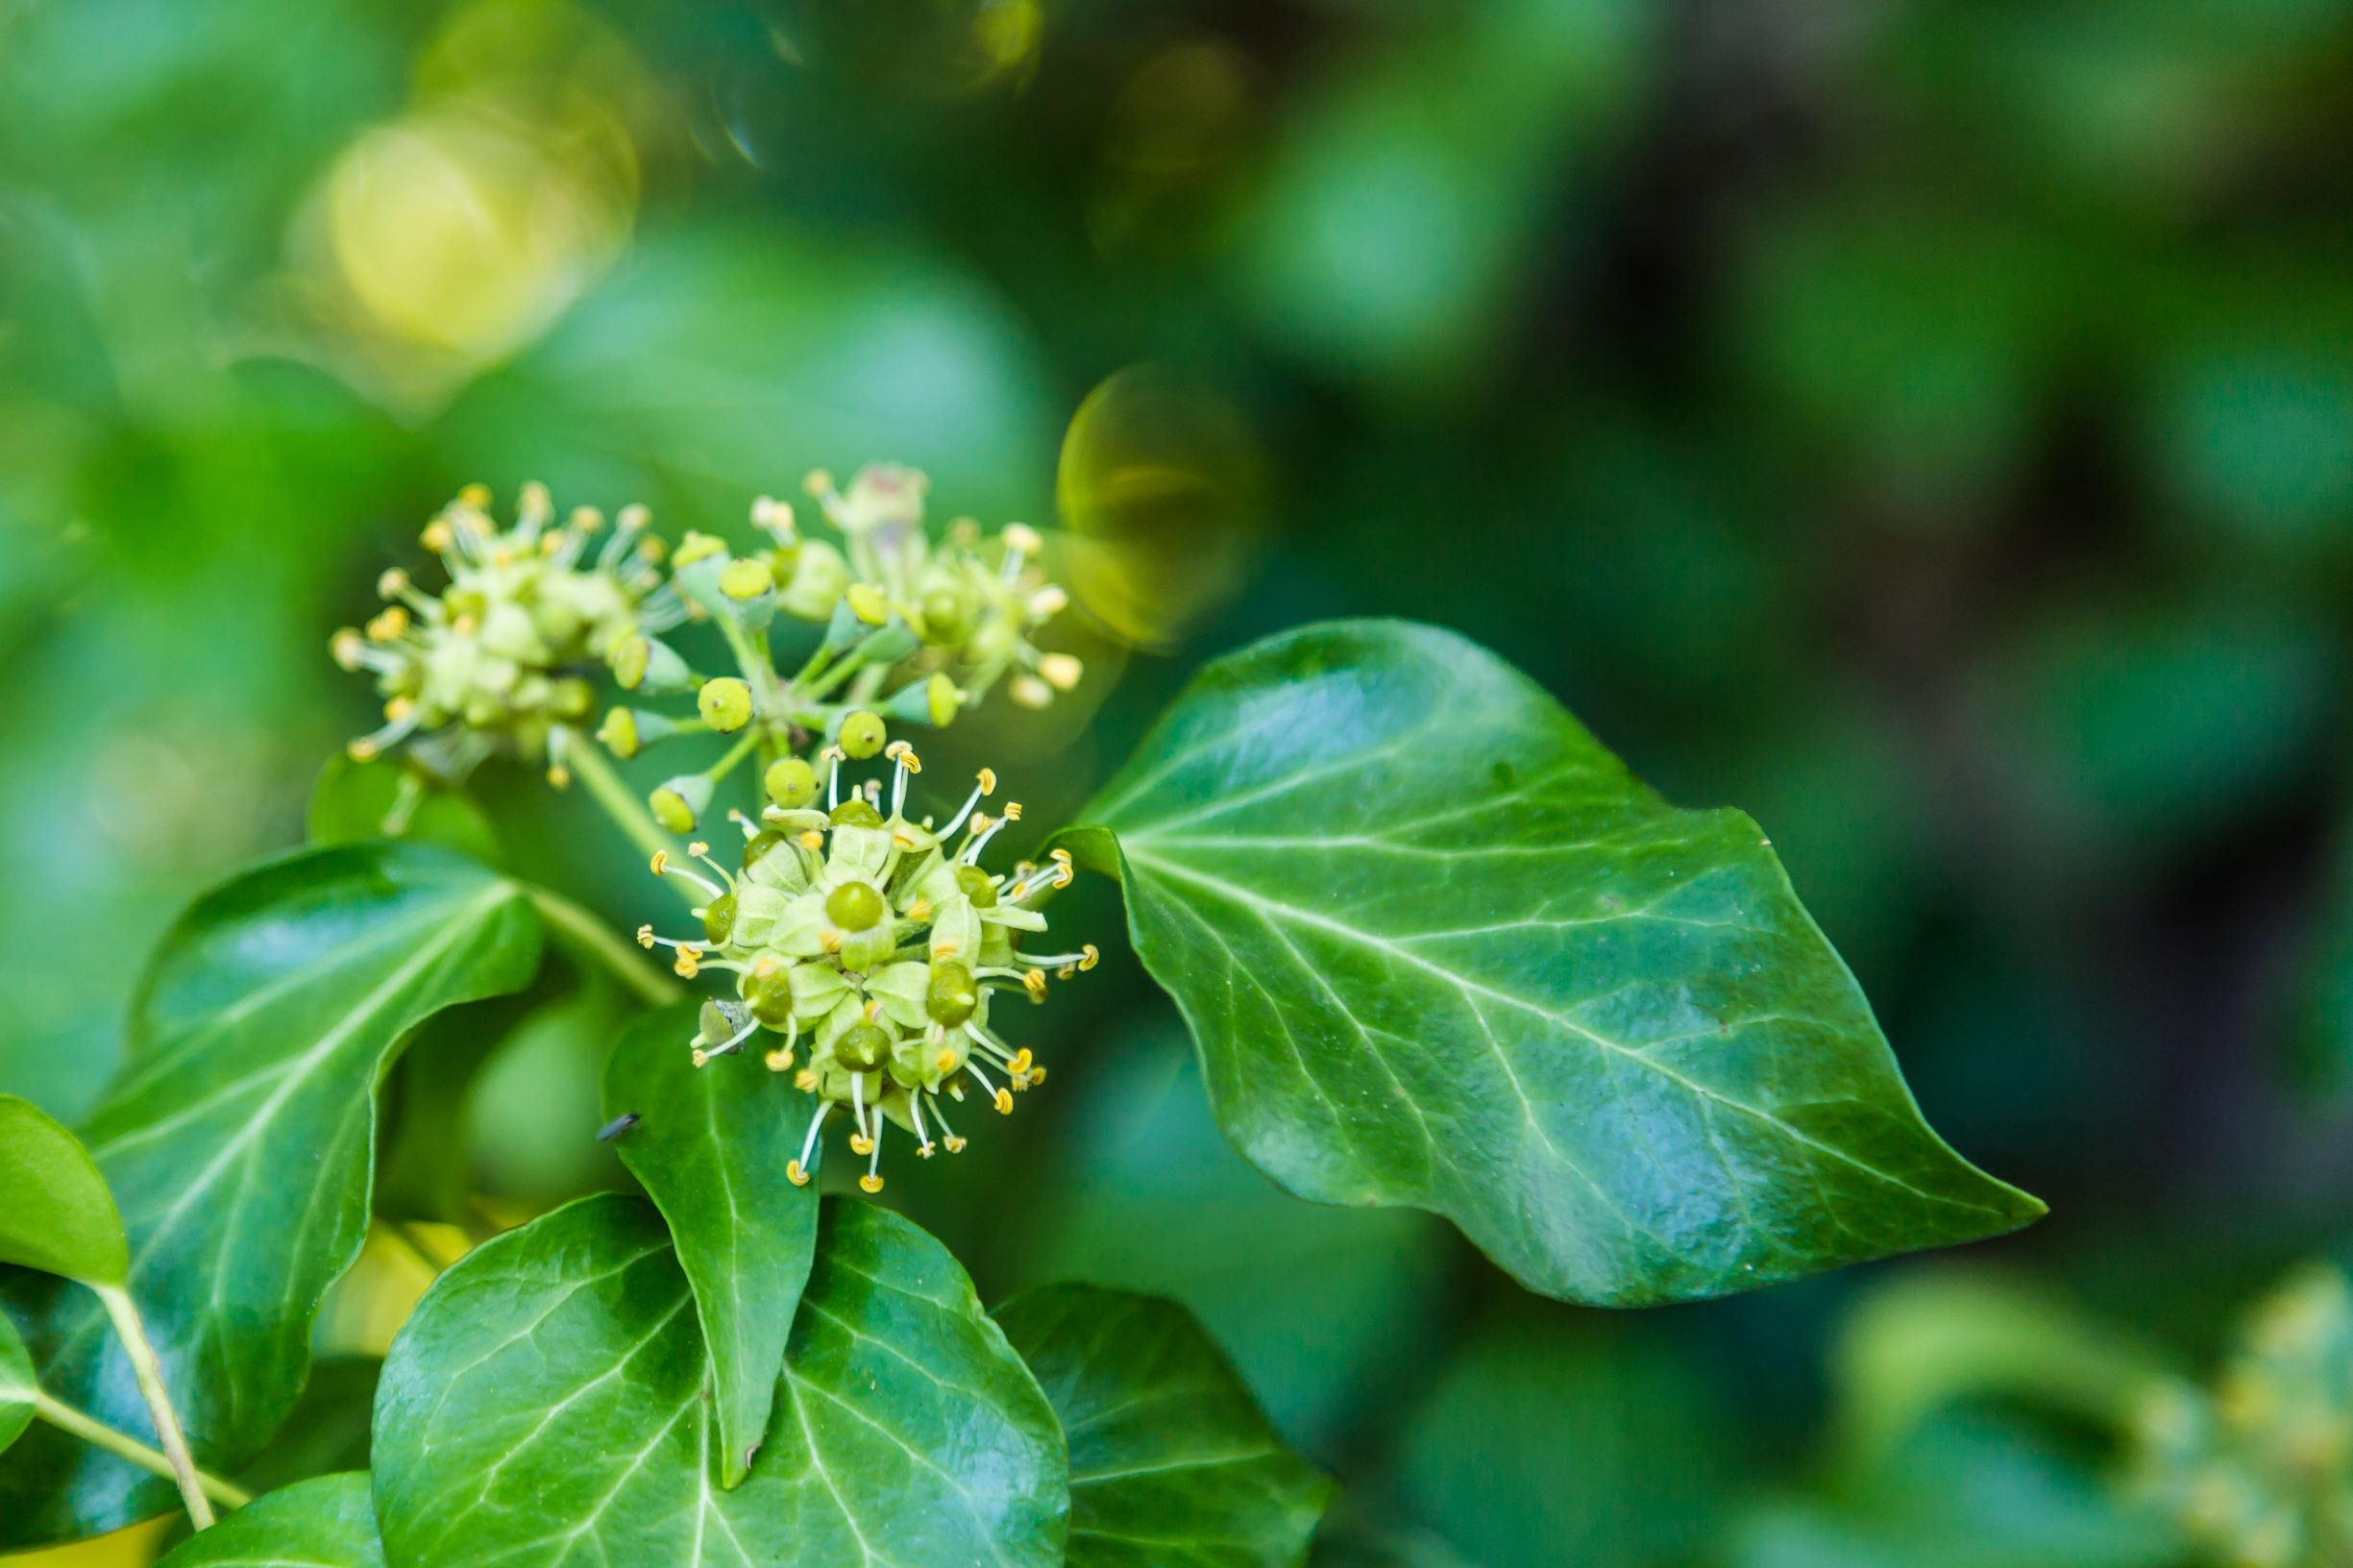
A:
{"x": 869, "y": 603}
{"x": 746, "y": 578}
{"x": 820, "y": 577}
{"x": 679, "y": 802}
{"x": 697, "y": 547}
{"x": 790, "y": 783}
{"x": 854, "y": 906}
{"x": 863, "y": 734}
{"x": 642, "y": 663}
{"x": 724, "y": 703}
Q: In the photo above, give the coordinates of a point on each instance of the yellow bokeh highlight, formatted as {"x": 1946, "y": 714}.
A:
{"x": 1160, "y": 488}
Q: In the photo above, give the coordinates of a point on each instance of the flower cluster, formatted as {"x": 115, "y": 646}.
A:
{"x": 2259, "y": 1471}
{"x": 912, "y": 629}
{"x": 875, "y": 941}
{"x": 500, "y": 658}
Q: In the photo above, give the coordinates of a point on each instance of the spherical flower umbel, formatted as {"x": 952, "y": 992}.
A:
{"x": 876, "y": 943}
{"x": 500, "y": 657}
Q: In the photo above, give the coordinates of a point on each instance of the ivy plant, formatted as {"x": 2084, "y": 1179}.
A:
{"x": 1436, "y": 946}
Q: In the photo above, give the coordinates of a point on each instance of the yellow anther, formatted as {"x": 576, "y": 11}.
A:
{"x": 702, "y": 1056}
{"x": 816, "y": 482}
{"x": 1021, "y": 1060}
{"x": 464, "y": 626}
{"x": 364, "y": 750}
{"x": 829, "y": 940}
{"x": 1037, "y": 1075}
{"x": 1004, "y": 1102}
{"x": 978, "y": 821}
{"x": 697, "y": 848}
{"x": 795, "y": 1174}
{"x": 346, "y": 646}
{"x": 391, "y": 583}
{"x": 955, "y": 1144}
{"x": 779, "y": 1059}
{"x": 1033, "y": 981}
{"x": 399, "y": 707}
{"x": 1013, "y": 811}
{"x": 645, "y": 937}
{"x": 870, "y": 1183}
{"x": 813, "y": 839}
{"x": 873, "y": 1010}
{"x": 387, "y": 627}
{"x": 945, "y": 949}
{"x": 690, "y": 963}
{"x": 560, "y": 776}
{"x": 900, "y": 752}
{"x": 903, "y": 841}
{"x": 1060, "y": 857}
{"x": 586, "y": 519}
{"x": 1018, "y": 891}
{"x": 920, "y": 910}
{"x": 437, "y": 537}
{"x": 1022, "y": 537}
{"x": 551, "y": 543}
{"x": 1060, "y": 670}
{"x": 859, "y": 1143}
{"x": 502, "y": 556}
{"x": 923, "y": 1149}
{"x": 804, "y": 1080}
{"x": 764, "y": 966}
{"x": 475, "y": 494}
{"x": 660, "y": 862}
{"x": 1093, "y": 956}
{"x": 988, "y": 781}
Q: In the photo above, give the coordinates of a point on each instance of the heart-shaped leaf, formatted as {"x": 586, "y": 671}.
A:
{"x": 326, "y": 1523}
{"x": 711, "y": 1144}
{"x": 549, "y": 1403}
{"x": 1438, "y": 947}
{"x": 237, "y": 1140}
{"x": 56, "y": 1213}
{"x": 18, "y": 1388}
{"x": 1171, "y": 1461}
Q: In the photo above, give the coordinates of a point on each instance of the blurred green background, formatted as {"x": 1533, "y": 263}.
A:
{"x": 1927, "y": 426}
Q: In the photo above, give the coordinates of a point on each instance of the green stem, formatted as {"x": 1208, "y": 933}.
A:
{"x": 737, "y": 753}
{"x": 589, "y": 766}
{"x": 98, "y": 1434}
{"x": 594, "y": 939}
{"x": 181, "y": 1464}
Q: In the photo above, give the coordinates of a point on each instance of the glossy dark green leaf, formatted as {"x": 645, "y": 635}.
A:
{"x": 18, "y": 1386}
{"x": 549, "y": 1403}
{"x": 237, "y": 1139}
{"x": 1171, "y": 1461}
{"x": 355, "y": 802}
{"x": 56, "y": 1213}
{"x": 711, "y": 1144}
{"x": 1441, "y": 948}
{"x": 326, "y": 1523}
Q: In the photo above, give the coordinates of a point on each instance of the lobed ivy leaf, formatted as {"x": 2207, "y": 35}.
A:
{"x": 237, "y": 1140}
{"x": 711, "y": 1144}
{"x": 325, "y": 1523}
{"x": 1172, "y": 1464}
{"x": 18, "y": 1388}
{"x": 56, "y": 1213}
{"x": 549, "y": 1401}
{"x": 1438, "y": 947}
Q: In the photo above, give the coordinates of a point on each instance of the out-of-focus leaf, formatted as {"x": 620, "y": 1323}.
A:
{"x": 1922, "y": 1341}
{"x": 1349, "y": 1539}
{"x": 18, "y": 1385}
{"x": 550, "y": 1399}
{"x": 711, "y": 1144}
{"x": 325, "y": 1432}
{"x": 1567, "y": 1442}
{"x": 1394, "y": 231}
{"x": 56, "y": 1213}
{"x": 326, "y": 1523}
{"x": 1170, "y": 1460}
{"x": 359, "y": 800}
{"x": 1966, "y": 1489}
{"x": 1439, "y": 948}
{"x": 237, "y": 1142}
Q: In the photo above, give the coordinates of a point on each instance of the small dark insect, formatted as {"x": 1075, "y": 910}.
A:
{"x": 619, "y": 1125}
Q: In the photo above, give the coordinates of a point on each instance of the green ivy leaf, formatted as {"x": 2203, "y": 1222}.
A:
{"x": 56, "y": 1213}
{"x": 237, "y": 1140}
{"x": 549, "y": 1401}
{"x": 1438, "y": 947}
{"x": 18, "y": 1385}
{"x": 1171, "y": 1461}
{"x": 326, "y": 1523}
{"x": 711, "y": 1144}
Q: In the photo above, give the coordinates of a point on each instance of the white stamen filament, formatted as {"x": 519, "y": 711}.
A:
{"x": 816, "y": 1125}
